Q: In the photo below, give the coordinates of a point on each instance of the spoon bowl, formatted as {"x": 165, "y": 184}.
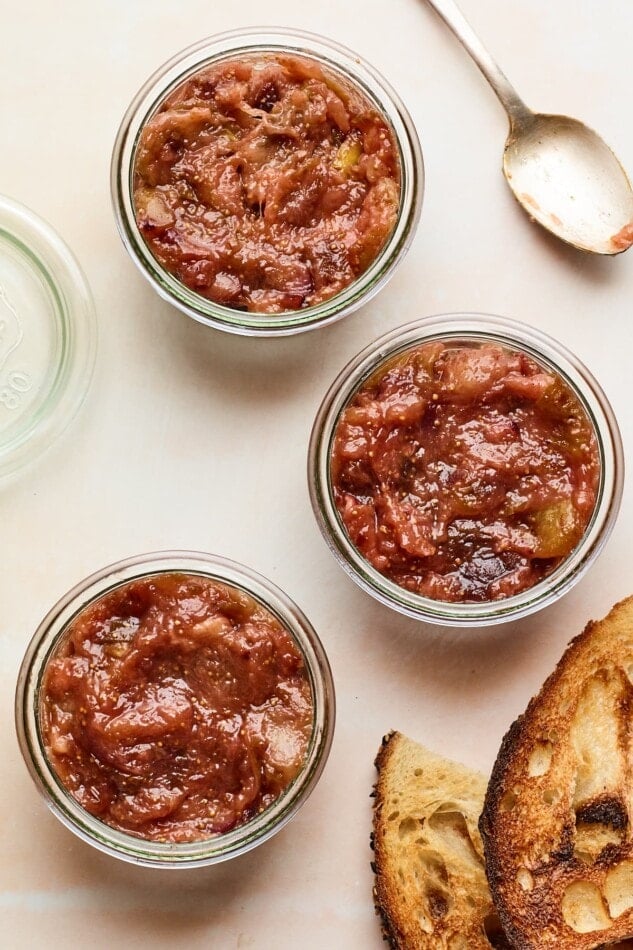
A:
{"x": 560, "y": 171}
{"x": 568, "y": 179}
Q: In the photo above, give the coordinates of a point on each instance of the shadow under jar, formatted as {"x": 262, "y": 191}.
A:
{"x": 465, "y": 470}
{"x": 175, "y": 709}
{"x": 267, "y": 182}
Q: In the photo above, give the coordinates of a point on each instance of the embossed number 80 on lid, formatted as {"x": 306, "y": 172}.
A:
{"x": 47, "y": 335}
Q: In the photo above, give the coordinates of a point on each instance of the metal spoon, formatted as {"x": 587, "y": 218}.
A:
{"x": 561, "y": 172}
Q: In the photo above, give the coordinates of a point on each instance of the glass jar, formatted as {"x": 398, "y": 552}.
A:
{"x": 477, "y": 329}
{"x": 48, "y": 336}
{"x": 336, "y": 59}
{"x": 129, "y": 847}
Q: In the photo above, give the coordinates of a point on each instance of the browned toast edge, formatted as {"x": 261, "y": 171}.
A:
{"x": 508, "y": 751}
{"x": 383, "y": 900}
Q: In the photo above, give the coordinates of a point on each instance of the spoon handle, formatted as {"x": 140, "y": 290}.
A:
{"x": 517, "y": 111}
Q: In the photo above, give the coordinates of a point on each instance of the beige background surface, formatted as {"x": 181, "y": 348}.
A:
{"x": 191, "y": 438}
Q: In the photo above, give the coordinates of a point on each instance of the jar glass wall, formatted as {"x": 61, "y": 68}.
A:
{"x": 476, "y": 329}
{"x": 334, "y": 58}
{"x": 47, "y": 639}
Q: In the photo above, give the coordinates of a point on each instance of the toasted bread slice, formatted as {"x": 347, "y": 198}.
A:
{"x": 557, "y": 822}
{"x": 430, "y": 887}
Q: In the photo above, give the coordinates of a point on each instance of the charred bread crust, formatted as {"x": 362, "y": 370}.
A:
{"x": 383, "y": 900}
{"x": 494, "y": 794}
{"x": 497, "y": 789}
{"x": 384, "y": 752}
{"x": 536, "y": 917}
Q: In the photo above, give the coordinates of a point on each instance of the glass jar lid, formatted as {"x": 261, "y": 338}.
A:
{"x": 47, "y": 335}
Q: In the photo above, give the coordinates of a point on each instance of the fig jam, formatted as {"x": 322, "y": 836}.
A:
{"x": 176, "y": 708}
{"x": 266, "y": 183}
{"x": 465, "y": 472}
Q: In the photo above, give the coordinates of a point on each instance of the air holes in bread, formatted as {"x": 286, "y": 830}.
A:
{"x": 591, "y": 840}
{"x": 408, "y": 827}
{"x": 452, "y": 830}
{"x": 458, "y": 942}
{"x": 599, "y": 823}
{"x": 595, "y": 737}
{"x": 434, "y": 867}
{"x": 540, "y": 759}
{"x": 508, "y": 802}
{"x": 439, "y": 903}
{"x": 448, "y": 807}
{"x": 583, "y": 908}
{"x": 525, "y": 880}
{"x": 618, "y": 888}
{"x": 551, "y": 796}
{"x": 425, "y": 924}
{"x": 494, "y": 932}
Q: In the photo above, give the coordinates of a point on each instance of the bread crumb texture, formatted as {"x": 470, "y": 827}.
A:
{"x": 430, "y": 886}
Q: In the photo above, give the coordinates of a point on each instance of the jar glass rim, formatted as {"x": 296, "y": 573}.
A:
{"x": 136, "y": 849}
{"x": 545, "y": 350}
{"x": 333, "y": 56}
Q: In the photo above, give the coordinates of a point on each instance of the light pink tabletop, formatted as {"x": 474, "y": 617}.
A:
{"x": 195, "y": 439}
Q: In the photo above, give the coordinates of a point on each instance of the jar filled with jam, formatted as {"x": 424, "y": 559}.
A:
{"x": 175, "y": 709}
{"x": 267, "y": 182}
{"x": 466, "y": 470}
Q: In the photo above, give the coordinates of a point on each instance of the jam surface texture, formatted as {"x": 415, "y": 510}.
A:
{"x": 176, "y": 708}
{"x": 465, "y": 472}
{"x": 266, "y": 183}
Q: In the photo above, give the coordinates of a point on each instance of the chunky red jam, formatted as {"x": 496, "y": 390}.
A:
{"x": 266, "y": 183}
{"x": 465, "y": 472}
{"x": 176, "y": 708}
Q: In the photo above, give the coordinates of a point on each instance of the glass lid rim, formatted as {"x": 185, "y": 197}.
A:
{"x": 70, "y": 306}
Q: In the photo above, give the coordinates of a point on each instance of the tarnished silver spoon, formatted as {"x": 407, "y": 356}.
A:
{"x": 563, "y": 174}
